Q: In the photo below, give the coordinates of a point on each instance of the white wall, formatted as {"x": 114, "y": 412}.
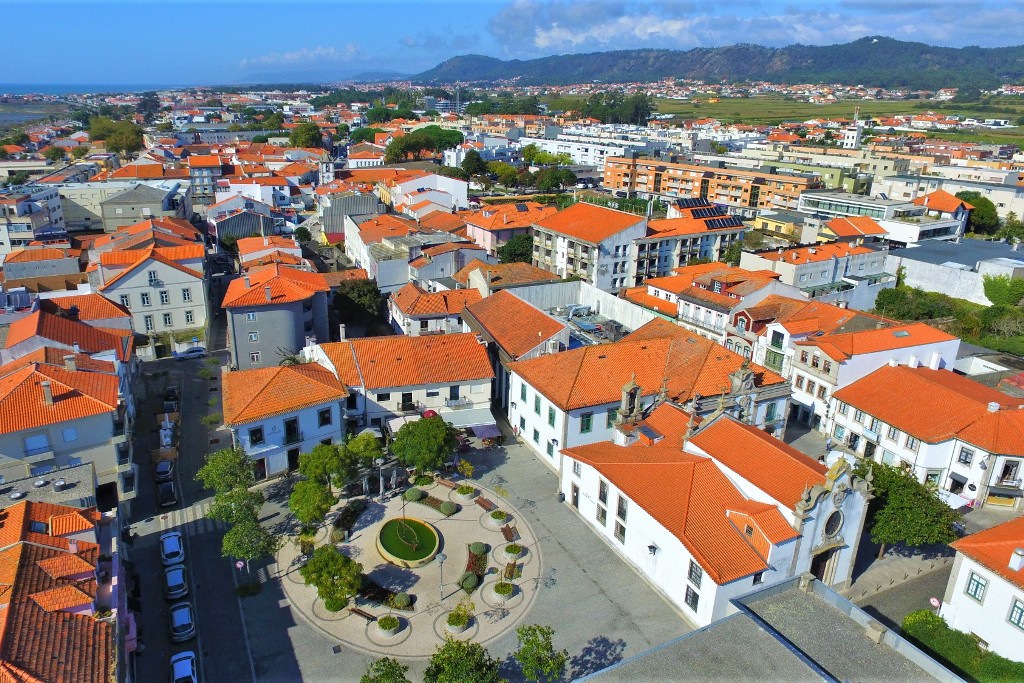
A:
{"x": 989, "y": 618}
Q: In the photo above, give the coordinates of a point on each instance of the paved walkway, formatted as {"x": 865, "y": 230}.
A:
{"x": 433, "y": 586}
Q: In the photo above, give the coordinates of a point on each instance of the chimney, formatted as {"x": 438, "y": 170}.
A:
{"x": 341, "y": 332}
{"x": 912, "y": 362}
{"x": 1017, "y": 559}
{"x": 266, "y": 241}
{"x": 69, "y": 363}
{"x": 893, "y": 363}
{"x": 245, "y": 277}
{"x": 270, "y": 297}
{"x": 47, "y": 392}
{"x": 993, "y": 407}
{"x": 935, "y": 360}
{"x": 72, "y": 546}
{"x": 76, "y": 347}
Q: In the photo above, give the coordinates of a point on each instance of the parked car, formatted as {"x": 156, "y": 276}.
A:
{"x": 191, "y": 352}
{"x": 175, "y": 582}
{"x": 183, "y": 623}
{"x": 183, "y": 668}
{"x": 172, "y": 551}
{"x": 166, "y": 494}
{"x": 172, "y": 393}
{"x": 164, "y": 470}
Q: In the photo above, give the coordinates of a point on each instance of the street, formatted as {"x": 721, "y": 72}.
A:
{"x": 220, "y": 643}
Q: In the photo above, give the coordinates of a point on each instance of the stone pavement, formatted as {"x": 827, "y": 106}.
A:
{"x": 423, "y": 628}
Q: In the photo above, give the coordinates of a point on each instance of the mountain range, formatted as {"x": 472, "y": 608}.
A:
{"x": 875, "y": 61}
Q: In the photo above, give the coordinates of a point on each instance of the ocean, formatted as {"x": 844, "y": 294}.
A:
{"x": 74, "y": 88}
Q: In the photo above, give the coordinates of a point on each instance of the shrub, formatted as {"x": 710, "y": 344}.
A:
{"x": 211, "y": 420}
{"x": 498, "y": 515}
{"x": 401, "y": 600}
{"x": 248, "y": 589}
{"x": 513, "y": 549}
{"x": 413, "y": 494}
{"x": 477, "y": 548}
{"x": 504, "y": 588}
{"x": 387, "y": 622}
{"x": 424, "y": 480}
{"x": 457, "y": 619}
{"x": 334, "y": 605}
{"x": 337, "y": 535}
{"x": 465, "y": 490}
{"x": 448, "y": 508}
{"x": 959, "y": 649}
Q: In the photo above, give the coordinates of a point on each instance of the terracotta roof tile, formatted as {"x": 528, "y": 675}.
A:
{"x": 255, "y": 394}
{"x": 42, "y": 254}
{"x": 510, "y": 216}
{"x": 385, "y": 225}
{"x": 514, "y": 325}
{"x": 505, "y": 274}
{"x": 75, "y": 395}
{"x": 816, "y": 253}
{"x": 144, "y": 258}
{"x": 993, "y": 548}
{"x": 414, "y": 301}
{"x": 639, "y": 296}
{"x": 589, "y": 222}
{"x": 943, "y": 201}
{"x": 399, "y": 361}
{"x": 67, "y": 332}
{"x": 856, "y": 226}
{"x": 251, "y": 245}
{"x": 89, "y": 307}
{"x": 845, "y": 345}
{"x": 287, "y": 285}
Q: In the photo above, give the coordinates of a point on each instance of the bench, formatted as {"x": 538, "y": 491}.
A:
{"x": 362, "y": 613}
{"x": 510, "y": 533}
{"x": 486, "y": 504}
{"x": 447, "y": 484}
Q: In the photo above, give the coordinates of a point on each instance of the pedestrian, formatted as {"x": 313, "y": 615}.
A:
{"x": 828, "y": 444}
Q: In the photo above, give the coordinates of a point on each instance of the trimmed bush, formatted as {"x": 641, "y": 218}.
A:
{"x": 387, "y": 622}
{"x": 513, "y": 549}
{"x": 959, "y": 651}
{"x": 413, "y": 494}
{"x": 465, "y": 490}
{"x": 498, "y": 515}
{"x": 504, "y": 588}
{"x": 423, "y": 480}
{"x": 333, "y": 605}
{"x": 401, "y": 600}
{"x": 337, "y": 535}
{"x": 477, "y": 548}
{"x": 448, "y": 508}
{"x": 458, "y": 619}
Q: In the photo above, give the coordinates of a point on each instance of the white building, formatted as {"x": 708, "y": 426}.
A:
{"x": 31, "y": 214}
{"x": 416, "y": 312}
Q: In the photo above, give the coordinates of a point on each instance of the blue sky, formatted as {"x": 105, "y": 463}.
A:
{"x": 186, "y": 42}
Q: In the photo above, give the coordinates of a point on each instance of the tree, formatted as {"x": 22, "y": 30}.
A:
{"x": 364, "y": 135}
{"x": 336, "y": 577}
{"x": 364, "y": 449}
{"x": 260, "y": 139}
{"x": 906, "y": 510}
{"x": 236, "y": 505}
{"x": 310, "y": 501}
{"x": 305, "y": 135}
{"x": 164, "y": 127}
{"x": 537, "y": 656}
{"x": 983, "y": 217}
{"x": 80, "y": 151}
{"x": 462, "y": 662}
{"x": 530, "y": 152}
{"x": 1002, "y": 290}
{"x": 248, "y": 540}
{"x": 302, "y": 234}
{"x": 453, "y": 172}
{"x": 386, "y": 670}
{"x": 148, "y": 105}
{"x": 322, "y": 464}
{"x": 54, "y": 154}
{"x": 125, "y": 139}
{"x": 227, "y": 469}
{"x": 355, "y": 299}
{"x": 425, "y": 443}
{"x": 518, "y": 249}
{"x": 474, "y": 164}
{"x": 378, "y": 115}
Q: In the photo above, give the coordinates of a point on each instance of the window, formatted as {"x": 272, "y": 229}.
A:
{"x": 858, "y": 416}
{"x": 610, "y": 421}
{"x": 254, "y": 336}
{"x": 894, "y": 434}
{"x": 966, "y": 456}
{"x": 769, "y": 412}
{"x": 620, "y": 532}
{"x": 522, "y": 391}
{"x": 799, "y": 383}
{"x": 522, "y": 424}
{"x": 741, "y": 324}
{"x": 126, "y": 301}
{"x": 186, "y": 294}
{"x": 912, "y": 443}
{"x": 165, "y": 297}
{"x": 577, "y": 469}
{"x": 550, "y": 448}
{"x": 827, "y": 366}
{"x": 844, "y": 408}
{"x": 839, "y": 432}
{"x": 536, "y": 404}
{"x": 815, "y": 361}
{"x": 932, "y": 477}
{"x": 145, "y": 299}
{"x": 256, "y": 436}
{"x": 383, "y": 396}
{"x": 810, "y": 387}
{"x": 250, "y": 316}
{"x": 602, "y": 516}
{"x": 803, "y": 357}
{"x": 821, "y": 391}
{"x": 168, "y": 320}
{"x": 1016, "y": 613}
{"x": 153, "y": 276}
{"x": 254, "y": 356}
{"x": 323, "y": 417}
{"x": 536, "y": 436}
{"x": 695, "y": 574}
{"x": 586, "y": 423}
{"x": 758, "y": 578}
{"x": 692, "y": 598}
{"x": 69, "y": 434}
{"x": 976, "y": 587}
{"x": 622, "y": 508}
{"x": 148, "y": 322}
{"x": 190, "y": 318}
{"x": 433, "y": 393}
{"x": 602, "y": 491}
{"x": 423, "y": 325}
{"x": 551, "y": 417}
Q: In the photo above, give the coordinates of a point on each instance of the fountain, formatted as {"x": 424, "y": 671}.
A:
{"x": 408, "y": 542}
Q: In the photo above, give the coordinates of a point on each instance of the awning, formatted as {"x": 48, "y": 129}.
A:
{"x": 372, "y": 430}
{"x": 467, "y": 417}
{"x": 959, "y": 478}
{"x": 395, "y": 424}
{"x": 486, "y": 431}
{"x": 1005, "y": 491}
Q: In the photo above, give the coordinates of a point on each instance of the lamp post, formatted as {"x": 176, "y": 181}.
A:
{"x": 380, "y": 473}
{"x": 440, "y": 557}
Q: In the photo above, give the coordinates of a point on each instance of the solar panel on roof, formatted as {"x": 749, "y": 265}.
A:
{"x": 521, "y": 208}
{"x": 726, "y": 222}
{"x": 648, "y": 432}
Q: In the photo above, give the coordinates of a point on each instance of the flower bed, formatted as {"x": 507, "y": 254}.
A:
{"x": 476, "y": 564}
{"x": 445, "y": 507}
{"x": 379, "y": 595}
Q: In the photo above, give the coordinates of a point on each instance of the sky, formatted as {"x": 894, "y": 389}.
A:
{"x": 211, "y": 42}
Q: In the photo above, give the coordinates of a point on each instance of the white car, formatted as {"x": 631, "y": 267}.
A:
{"x": 175, "y": 582}
{"x": 183, "y": 668}
{"x": 172, "y": 550}
{"x": 183, "y": 623}
{"x": 192, "y": 352}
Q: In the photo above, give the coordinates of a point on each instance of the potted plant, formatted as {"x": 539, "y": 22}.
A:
{"x": 498, "y": 517}
{"x": 459, "y": 618}
{"x": 389, "y": 625}
{"x": 503, "y": 590}
{"x": 465, "y": 492}
{"x": 513, "y": 551}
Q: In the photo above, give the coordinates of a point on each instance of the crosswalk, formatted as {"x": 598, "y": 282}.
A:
{"x": 191, "y": 521}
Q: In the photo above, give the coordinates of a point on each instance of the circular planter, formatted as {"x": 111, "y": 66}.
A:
{"x": 465, "y": 497}
{"x": 457, "y": 629}
{"x": 513, "y": 556}
{"x": 498, "y": 523}
{"x": 389, "y": 631}
{"x": 497, "y": 597}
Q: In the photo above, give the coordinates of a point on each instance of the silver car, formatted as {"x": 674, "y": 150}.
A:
{"x": 183, "y": 668}
{"x": 172, "y": 551}
{"x": 175, "y": 582}
{"x": 183, "y": 622}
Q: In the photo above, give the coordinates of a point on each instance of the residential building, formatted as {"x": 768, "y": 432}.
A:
{"x": 492, "y": 226}
{"x": 956, "y": 268}
{"x": 154, "y": 232}
{"x": 1006, "y": 198}
{"x": 83, "y": 203}
{"x": 572, "y": 398}
{"x": 440, "y": 262}
{"x": 396, "y": 191}
{"x": 985, "y": 593}
{"x": 744, "y": 191}
{"x": 836, "y": 272}
{"x": 855, "y": 229}
{"x": 417, "y": 312}
{"x": 903, "y": 220}
{"x": 591, "y": 152}
{"x": 273, "y": 313}
{"x": 28, "y": 214}
{"x": 269, "y": 249}
{"x": 204, "y": 171}
{"x": 92, "y": 309}
{"x": 694, "y": 229}
{"x": 822, "y": 365}
{"x": 240, "y": 216}
{"x": 800, "y": 227}
{"x": 946, "y": 429}
{"x": 488, "y": 278}
{"x": 709, "y": 512}
{"x": 589, "y": 241}
{"x": 39, "y": 262}
{"x": 141, "y": 202}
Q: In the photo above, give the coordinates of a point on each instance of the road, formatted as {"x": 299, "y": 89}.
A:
{"x": 891, "y": 606}
{"x": 220, "y": 642}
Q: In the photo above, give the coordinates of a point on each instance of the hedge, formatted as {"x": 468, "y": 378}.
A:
{"x": 957, "y": 650}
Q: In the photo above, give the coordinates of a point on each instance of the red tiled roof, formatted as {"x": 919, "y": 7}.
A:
{"x": 250, "y": 245}
{"x": 993, "y": 548}
{"x": 943, "y": 201}
{"x": 639, "y": 296}
{"x": 89, "y": 307}
{"x": 514, "y": 325}
{"x": 385, "y": 225}
{"x": 589, "y": 222}
{"x": 145, "y": 257}
{"x": 399, "y": 361}
{"x": 856, "y": 226}
{"x": 414, "y": 301}
{"x": 43, "y": 254}
{"x": 67, "y": 333}
{"x": 504, "y": 274}
{"x": 286, "y": 285}
{"x": 816, "y": 253}
{"x": 258, "y": 393}
{"x": 510, "y": 216}
{"x": 75, "y": 395}
{"x": 844, "y": 346}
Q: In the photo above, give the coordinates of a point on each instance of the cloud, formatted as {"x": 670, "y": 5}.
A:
{"x": 535, "y": 27}
{"x": 306, "y": 57}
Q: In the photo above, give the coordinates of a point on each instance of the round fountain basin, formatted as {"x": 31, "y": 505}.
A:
{"x": 408, "y": 542}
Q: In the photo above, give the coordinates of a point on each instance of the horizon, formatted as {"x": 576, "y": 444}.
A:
{"x": 421, "y": 35}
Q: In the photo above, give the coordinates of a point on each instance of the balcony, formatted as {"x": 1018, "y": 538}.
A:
{"x": 124, "y": 454}
{"x": 699, "y": 322}
{"x": 457, "y": 402}
{"x": 291, "y": 438}
{"x": 870, "y": 434}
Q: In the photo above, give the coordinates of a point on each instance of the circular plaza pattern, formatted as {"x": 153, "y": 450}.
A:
{"x": 430, "y": 573}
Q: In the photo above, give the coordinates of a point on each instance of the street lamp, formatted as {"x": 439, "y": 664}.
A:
{"x": 380, "y": 464}
{"x": 440, "y": 561}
